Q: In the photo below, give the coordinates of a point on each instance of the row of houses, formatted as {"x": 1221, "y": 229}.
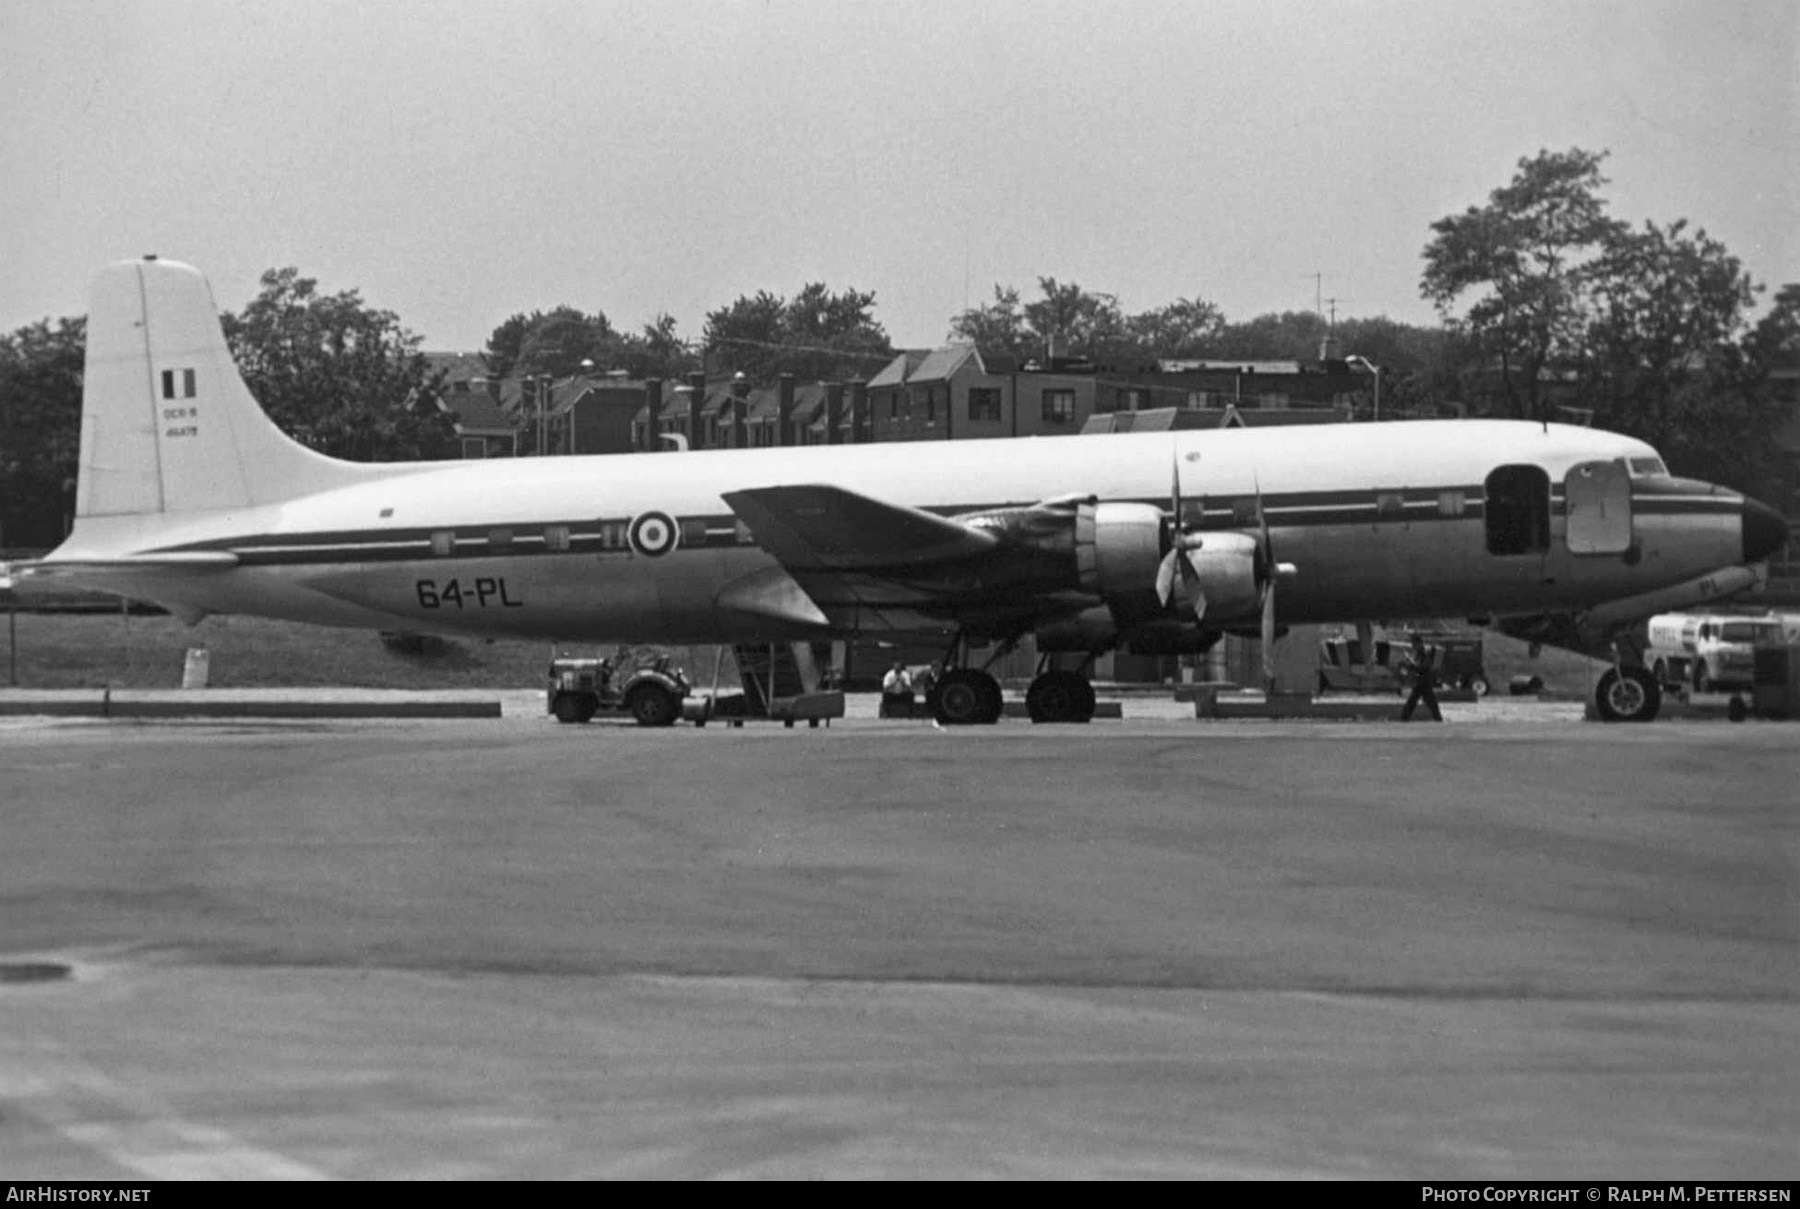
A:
{"x": 957, "y": 392}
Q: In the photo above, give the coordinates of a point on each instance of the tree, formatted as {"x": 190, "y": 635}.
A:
{"x": 337, "y": 375}
{"x": 1186, "y": 328}
{"x": 997, "y": 327}
{"x": 504, "y": 344}
{"x": 40, "y": 430}
{"x": 817, "y": 335}
{"x": 1660, "y": 355}
{"x": 1523, "y": 261}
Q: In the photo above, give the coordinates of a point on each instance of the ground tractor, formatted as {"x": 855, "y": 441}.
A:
{"x": 652, "y": 693}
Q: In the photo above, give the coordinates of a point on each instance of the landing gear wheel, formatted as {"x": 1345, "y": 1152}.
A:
{"x": 653, "y": 705}
{"x": 1060, "y": 697}
{"x": 1627, "y": 694}
{"x": 966, "y": 697}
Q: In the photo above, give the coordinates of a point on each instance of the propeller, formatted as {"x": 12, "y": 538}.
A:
{"x": 1271, "y": 572}
{"x": 1182, "y": 542}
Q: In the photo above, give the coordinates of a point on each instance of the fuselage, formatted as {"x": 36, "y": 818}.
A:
{"x": 1438, "y": 518}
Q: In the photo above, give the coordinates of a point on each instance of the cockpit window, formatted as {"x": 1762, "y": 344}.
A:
{"x": 1647, "y": 468}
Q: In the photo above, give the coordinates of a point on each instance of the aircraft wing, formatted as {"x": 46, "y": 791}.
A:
{"x": 822, "y": 528}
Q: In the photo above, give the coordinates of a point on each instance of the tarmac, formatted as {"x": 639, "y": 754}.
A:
{"x": 1512, "y": 946}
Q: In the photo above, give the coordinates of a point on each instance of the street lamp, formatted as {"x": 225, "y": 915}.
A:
{"x": 1355, "y": 359}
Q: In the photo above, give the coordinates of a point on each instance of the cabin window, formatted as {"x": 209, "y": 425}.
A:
{"x": 984, "y": 404}
{"x": 556, "y": 538}
{"x": 1244, "y": 510}
{"x": 614, "y": 535}
{"x": 443, "y": 543}
{"x": 1059, "y": 406}
{"x": 1389, "y": 506}
{"x": 1647, "y": 467}
{"x": 1518, "y": 510}
{"x": 1450, "y": 504}
{"x": 693, "y": 532}
{"x": 499, "y": 540}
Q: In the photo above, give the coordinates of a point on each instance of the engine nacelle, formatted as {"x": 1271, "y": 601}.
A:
{"x": 1089, "y": 630}
{"x": 1118, "y": 547}
{"x": 1230, "y": 575}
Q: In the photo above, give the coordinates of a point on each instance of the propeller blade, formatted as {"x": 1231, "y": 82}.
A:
{"x": 1165, "y": 574}
{"x": 1192, "y": 574}
{"x": 1268, "y": 633}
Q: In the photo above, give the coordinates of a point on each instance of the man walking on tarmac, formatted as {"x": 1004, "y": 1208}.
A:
{"x": 1421, "y": 664}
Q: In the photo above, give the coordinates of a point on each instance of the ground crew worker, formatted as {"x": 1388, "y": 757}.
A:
{"x": 897, "y": 692}
{"x": 1421, "y": 663}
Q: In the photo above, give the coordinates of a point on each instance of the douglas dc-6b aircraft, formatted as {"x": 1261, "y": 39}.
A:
{"x": 191, "y": 497}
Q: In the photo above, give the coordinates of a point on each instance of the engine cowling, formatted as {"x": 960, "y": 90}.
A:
{"x": 1118, "y": 547}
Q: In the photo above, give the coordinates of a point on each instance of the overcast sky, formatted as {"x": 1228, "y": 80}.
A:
{"x": 458, "y": 162}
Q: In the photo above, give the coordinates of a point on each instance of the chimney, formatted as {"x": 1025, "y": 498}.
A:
{"x": 652, "y": 411}
{"x": 859, "y": 413}
{"x": 740, "y": 417}
{"x": 696, "y": 406}
{"x": 784, "y": 410}
{"x": 834, "y": 412}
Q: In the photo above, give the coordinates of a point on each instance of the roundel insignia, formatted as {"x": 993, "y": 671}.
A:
{"x": 653, "y": 534}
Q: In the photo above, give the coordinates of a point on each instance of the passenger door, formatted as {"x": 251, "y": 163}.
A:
{"x": 1598, "y": 497}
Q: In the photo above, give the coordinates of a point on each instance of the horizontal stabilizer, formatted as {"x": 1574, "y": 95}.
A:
{"x": 829, "y": 528}
{"x": 76, "y": 568}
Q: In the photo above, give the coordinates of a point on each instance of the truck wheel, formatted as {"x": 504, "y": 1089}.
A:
{"x": 571, "y": 708}
{"x": 653, "y": 705}
{"x": 1627, "y": 694}
{"x": 1481, "y": 686}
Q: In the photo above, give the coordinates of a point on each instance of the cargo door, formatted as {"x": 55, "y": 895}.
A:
{"x": 1598, "y": 496}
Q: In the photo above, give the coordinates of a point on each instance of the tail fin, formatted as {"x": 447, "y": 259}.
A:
{"x": 167, "y": 424}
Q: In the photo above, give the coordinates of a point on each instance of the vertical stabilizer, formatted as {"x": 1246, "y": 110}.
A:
{"x": 167, "y": 424}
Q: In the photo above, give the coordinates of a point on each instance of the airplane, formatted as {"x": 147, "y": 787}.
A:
{"x": 188, "y": 495}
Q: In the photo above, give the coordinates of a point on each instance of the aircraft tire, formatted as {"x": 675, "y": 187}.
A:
{"x": 966, "y": 697}
{"x": 1060, "y": 697}
{"x": 1627, "y": 694}
{"x": 653, "y": 705}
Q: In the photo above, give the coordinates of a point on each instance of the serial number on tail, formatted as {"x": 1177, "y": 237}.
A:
{"x": 482, "y": 593}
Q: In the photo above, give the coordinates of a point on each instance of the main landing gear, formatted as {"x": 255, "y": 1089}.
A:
{"x": 966, "y": 696}
{"x": 1057, "y": 695}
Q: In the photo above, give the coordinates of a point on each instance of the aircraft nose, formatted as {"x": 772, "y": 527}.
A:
{"x": 1765, "y": 530}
